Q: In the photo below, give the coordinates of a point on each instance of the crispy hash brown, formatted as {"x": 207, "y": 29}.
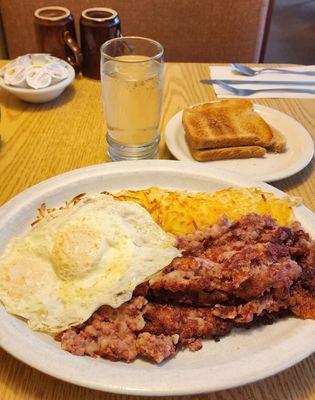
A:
{"x": 181, "y": 213}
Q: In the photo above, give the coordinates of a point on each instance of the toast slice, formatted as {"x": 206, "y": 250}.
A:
{"x": 279, "y": 142}
{"x": 226, "y": 123}
{"x": 228, "y": 153}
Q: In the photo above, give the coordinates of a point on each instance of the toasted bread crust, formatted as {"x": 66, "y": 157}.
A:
{"x": 228, "y": 153}
{"x": 226, "y": 123}
{"x": 279, "y": 143}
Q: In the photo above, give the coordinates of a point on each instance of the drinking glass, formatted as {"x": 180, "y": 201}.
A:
{"x": 132, "y": 83}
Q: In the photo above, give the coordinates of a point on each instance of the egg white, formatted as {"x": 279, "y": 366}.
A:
{"x": 79, "y": 258}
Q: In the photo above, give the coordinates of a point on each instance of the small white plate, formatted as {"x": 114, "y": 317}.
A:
{"x": 240, "y": 358}
{"x": 272, "y": 167}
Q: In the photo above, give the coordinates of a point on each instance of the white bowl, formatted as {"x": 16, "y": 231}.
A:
{"x": 40, "y": 95}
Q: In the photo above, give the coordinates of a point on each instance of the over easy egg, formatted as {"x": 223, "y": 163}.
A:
{"x": 79, "y": 258}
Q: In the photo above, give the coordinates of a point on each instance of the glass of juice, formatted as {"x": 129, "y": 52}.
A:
{"x": 132, "y": 84}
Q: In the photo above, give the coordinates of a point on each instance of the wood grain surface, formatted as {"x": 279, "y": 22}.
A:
{"x": 41, "y": 141}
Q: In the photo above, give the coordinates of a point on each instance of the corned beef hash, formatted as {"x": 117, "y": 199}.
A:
{"x": 147, "y": 273}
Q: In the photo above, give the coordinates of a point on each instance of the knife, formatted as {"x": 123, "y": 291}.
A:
{"x": 236, "y": 82}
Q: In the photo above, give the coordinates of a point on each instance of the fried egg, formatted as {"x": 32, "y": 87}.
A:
{"x": 78, "y": 258}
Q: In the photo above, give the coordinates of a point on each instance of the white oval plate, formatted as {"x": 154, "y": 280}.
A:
{"x": 242, "y": 357}
{"x": 271, "y": 167}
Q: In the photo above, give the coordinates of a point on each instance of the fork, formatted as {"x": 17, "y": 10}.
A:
{"x": 248, "y": 92}
{"x": 245, "y": 70}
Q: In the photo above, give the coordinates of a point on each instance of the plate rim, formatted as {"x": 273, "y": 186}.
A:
{"x": 141, "y": 167}
{"x": 177, "y": 153}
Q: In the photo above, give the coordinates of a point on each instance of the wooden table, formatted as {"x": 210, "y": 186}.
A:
{"x": 40, "y": 141}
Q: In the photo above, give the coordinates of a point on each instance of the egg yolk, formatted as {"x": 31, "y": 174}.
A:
{"x": 77, "y": 251}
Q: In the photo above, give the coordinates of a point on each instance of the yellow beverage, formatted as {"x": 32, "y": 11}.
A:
{"x": 132, "y": 94}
